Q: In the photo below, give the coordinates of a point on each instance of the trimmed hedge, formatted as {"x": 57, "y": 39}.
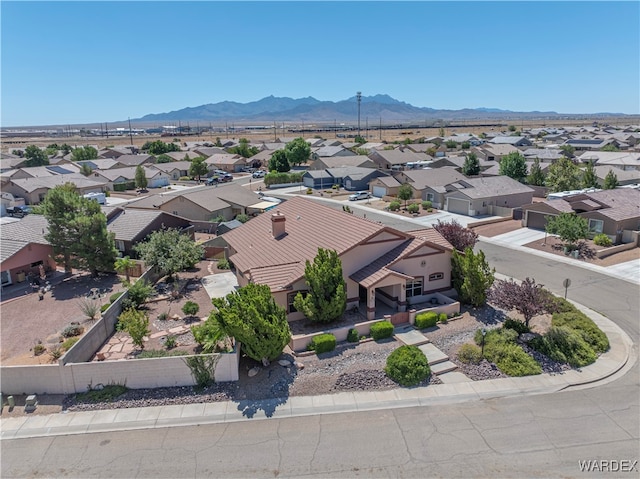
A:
{"x": 353, "y": 336}
{"x": 427, "y": 320}
{"x": 381, "y": 330}
{"x": 407, "y": 366}
{"x": 282, "y": 178}
{"x": 322, "y": 343}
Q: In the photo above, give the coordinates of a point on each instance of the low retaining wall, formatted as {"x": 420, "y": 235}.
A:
{"x": 475, "y": 224}
{"x": 300, "y": 341}
{"x": 603, "y": 253}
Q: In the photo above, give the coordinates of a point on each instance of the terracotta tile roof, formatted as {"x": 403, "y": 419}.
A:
{"x": 277, "y": 277}
{"x": 430, "y": 235}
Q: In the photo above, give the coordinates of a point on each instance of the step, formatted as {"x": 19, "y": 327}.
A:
{"x": 410, "y": 337}
{"x": 443, "y": 367}
{"x": 433, "y": 354}
{"x": 453, "y": 377}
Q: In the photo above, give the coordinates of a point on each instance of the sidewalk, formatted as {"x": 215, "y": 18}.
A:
{"x": 63, "y": 424}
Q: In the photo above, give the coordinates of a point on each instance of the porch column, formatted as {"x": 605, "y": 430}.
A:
{"x": 402, "y": 298}
{"x": 371, "y": 303}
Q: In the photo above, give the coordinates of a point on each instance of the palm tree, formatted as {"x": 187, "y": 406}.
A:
{"x": 123, "y": 265}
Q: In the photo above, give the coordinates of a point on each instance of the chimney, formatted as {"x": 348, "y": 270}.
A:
{"x": 277, "y": 224}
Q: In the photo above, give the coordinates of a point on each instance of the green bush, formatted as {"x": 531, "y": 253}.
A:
{"x": 104, "y": 307}
{"x": 566, "y": 345}
{"x": 518, "y": 326}
{"x": 413, "y": 208}
{"x": 39, "y": 349}
{"x": 470, "y": 354}
{"x": 163, "y": 316}
{"x": 585, "y": 326}
{"x": 322, "y": 343}
{"x": 407, "y": 366}
{"x": 394, "y": 206}
{"x": 115, "y": 296}
{"x": 561, "y": 305}
{"x": 427, "y": 320}
{"x": 190, "y": 308}
{"x": 427, "y": 205}
{"x": 139, "y": 292}
{"x": 170, "y": 342}
{"x": 72, "y": 330}
{"x": 309, "y": 191}
{"x": 223, "y": 263}
{"x": 602, "y": 240}
{"x": 69, "y": 343}
{"x": 274, "y": 178}
{"x": 443, "y": 318}
{"x": 353, "y": 336}
{"x": 381, "y": 330}
{"x": 160, "y": 353}
{"x": 500, "y": 348}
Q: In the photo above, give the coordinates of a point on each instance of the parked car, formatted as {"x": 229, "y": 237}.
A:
{"x": 224, "y": 178}
{"x": 18, "y": 211}
{"x": 259, "y": 174}
{"x": 360, "y": 195}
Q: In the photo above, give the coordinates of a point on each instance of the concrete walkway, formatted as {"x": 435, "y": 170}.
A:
{"x": 619, "y": 355}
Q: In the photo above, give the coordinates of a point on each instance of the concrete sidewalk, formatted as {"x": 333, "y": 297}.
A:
{"x": 608, "y": 364}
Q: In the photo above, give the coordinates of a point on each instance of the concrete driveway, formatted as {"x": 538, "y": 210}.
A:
{"x": 219, "y": 285}
{"x": 629, "y": 270}
{"x": 519, "y": 237}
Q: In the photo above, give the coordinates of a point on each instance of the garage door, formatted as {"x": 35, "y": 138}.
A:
{"x": 379, "y": 191}
{"x": 308, "y": 182}
{"x": 455, "y": 205}
{"x": 536, "y": 220}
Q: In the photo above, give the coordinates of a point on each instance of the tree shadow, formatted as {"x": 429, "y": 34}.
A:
{"x": 82, "y": 286}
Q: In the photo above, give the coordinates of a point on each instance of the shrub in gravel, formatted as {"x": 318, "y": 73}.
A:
{"x": 139, "y": 292}
{"x": 566, "y": 345}
{"x": 426, "y": 205}
{"x": 39, "y": 349}
{"x": 427, "y": 320}
{"x": 585, "y": 327}
{"x": 381, "y": 330}
{"x": 394, "y": 206}
{"x": 413, "y": 208}
{"x": 561, "y": 305}
{"x": 353, "y": 336}
{"x": 69, "y": 343}
{"x": 500, "y": 348}
{"x": 104, "y": 307}
{"x": 407, "y": 366}
{"x": 322, "y": 343}
{"x": 443, "y": 318}
{"x": 72, "y": 330}
{"x": 602, "y": 240}
{"x": 518, "y": 326}
{"x": 190, "y": 308}
{"x": 470, "y": 354}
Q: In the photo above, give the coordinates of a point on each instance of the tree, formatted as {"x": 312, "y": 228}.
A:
{"x": 35, "y": 156}
{"x": 164, "y": 158}
{"x": 198, "y": 168}
{"x": 527, "y": 298}
{"x": 405, "y": 193}
{"x": 610, "y": 181}
{"x": 78, "y": 231}
{"x": 298, "y": 151}
{"x": 471, "y": 166}
{"x": 536, "y": 175}
{"x": 124, "y": 265}
{"x": 441, "y": 132}
{"x": 450, "y": 144}
{"x": 253, "y": 318}
{"x": 563, "y": 175}
{"x": 514, "y": 166}
{"x": 589, "y": 177}
{"x": 84, "y": 153}
{"x": 610, "y": 147}
{"x": 159, "y": 147}
{"x": 170, "y": 251}
{"x": 243, "y": 149}
{"x": 140, "y": 178}
{"x": 326, "y": 299}
{"x": 569, "y": 227}
{"x": 512, "y": 128}
{"x": 136, "y": 324}
{"x": 359, "y": 139}
{"x": 278, "y": 162}
{"x": 460, "y": 237}
{"x": 85, "y": 169}
{"x": 471, "y": 276}
{"x": 568, "y": 150}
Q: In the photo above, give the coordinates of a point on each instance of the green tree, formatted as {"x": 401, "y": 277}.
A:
{"x": 512, "y": 128}
{"x": 124, "y": 265}
{"x": 78, "y": 231}
{"x": 465, "y": 145}
{"x": 198, "y": 168}
{"x": 243, "y": 149}
{"x": 536, "y": 175}
{"x": 567, "y": 150}
{"x": 84, "y": 153}
{"x": 569, "y": 227}
{"x": 610, "y": 147}
{"x": 326, "y": 299}
{"x": 164, "y": 158}
{"x": 471, "y": 166}
{"x": 170, "y": 251}
{"x": 589, "y": 177}
{"x": 35, "y": 156}
{"x": 441, "y": 132}
{"x": 85, "y": 169}
{"x": 471, "y": 276}
{"x": 405, "y": 193}
{"x": 190, "y": 308}
{"x": 610, "y": 181}
{"x": 563, "y": 175}
{"x": 140, "y": 178}
{"x": 253, "y": 318}
{"x": 359, "y": 139}
{"x": 136, "y": 324}
{"x": 159, "y": 147}
{"x": 298, "y": 151}
{"x": 514, "y": 166}
{"x": 278, "y": 162}
{"x": 450, "y": 144}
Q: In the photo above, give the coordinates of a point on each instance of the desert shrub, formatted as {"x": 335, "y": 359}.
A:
{"x": 39, "y": 349}
{"x": 394, "y": 206}
{"x": 322, "y": 343}
{"x": 426, "y": 320}
{"x": 585, "y": 327}
{"x": 126, "y": 303}
{"x": 381, "y": 330}
{"x": 107, "y": 394}
{"x": 114, "y": 296}
{"x": 335, "y": 187}
{"x": 104, "y": 307}
{"x": 566, "y": 345}
{"x": 309, "y": 191}
{"x": 413, "y": 208}
{"x": 500, "y": 348}
{"x": 443, "y": 318}
{"x": 163, "y": 316}
{"x": 72, "y": 330}
{"x": 139, "y": 292}
{"x": 470, "y": 354}
{"x": 136, "y": 324}
{"x": 89, "y": 308}
{"x": 427, "y": 205}
{"x": 407, "y": 366}
{"x": 56, "y": 352}
{"x": 160, "y": 353}
{"x": 69, "y": 343}
{"x": 602, "y": 240}
{"x": 190, "y": 308}
{"x": 561, "y": 305}
{"x": 223, "y": 263}
{"x": 170, "y": 342}
{"x": 353, "y": 336}
{"x": 517, "y": 326}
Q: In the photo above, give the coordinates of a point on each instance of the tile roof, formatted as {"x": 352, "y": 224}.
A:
{"x": 621, "y": 203}
{"x": 9, "y": 247}
{"x": 130, "y": 223}
{"x": 15, "y": 236}
{"x": 490, "y": 186}
{"x": 421, "y": 179}
{"x": 135, "y": 160}
{"x": 32, "y": 184}
{"x": 338, "y": 161}
{"x": 225, "y": 159}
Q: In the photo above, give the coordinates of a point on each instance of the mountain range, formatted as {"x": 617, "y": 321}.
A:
{"x": 372, "y": 108}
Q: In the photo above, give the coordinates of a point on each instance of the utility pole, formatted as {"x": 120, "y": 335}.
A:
{"x": 130, "y": 133}
{"x": 359, "y": 99}
{"x": 380, "y": 128}
{"x": 366, "y": 127}
{"x": 275, "y": 132}
{"x": 335, "y": 129}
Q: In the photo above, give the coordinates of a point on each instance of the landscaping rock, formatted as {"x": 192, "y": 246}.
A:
{"x": 253, "y": 371}
{"x": 526, "y": 337}
{"x": 284, "y": 362}
{"x": 298, "y": 365}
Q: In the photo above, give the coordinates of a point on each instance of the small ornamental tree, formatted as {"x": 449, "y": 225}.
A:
{"x": 527, "y": 298}
{"x": 569, "y": 227}
{"x": 326, "y": 299}
{"x": 140, "y": 178}
{"x": 124, "y": 265}
{"x": 136, "y": 324}
{"x": 589, "y": 177}
{"x": 279, "y": 162}
{"x": 610, "y": 181}
{"x": 460, "y": 237}
{"x": 514, "y": 166}
{"x": 536, "y": 175}
{"x": 405, "y": 193}
{"x": 35, "y": 156}
{"x": 198, "y": 168}
{"x": 471, "y": 276}
{"x": 170, "y": 251}
{"x": 471, "y": 166}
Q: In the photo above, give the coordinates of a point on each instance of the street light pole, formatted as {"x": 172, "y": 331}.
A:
{"x": 359, "y": 98}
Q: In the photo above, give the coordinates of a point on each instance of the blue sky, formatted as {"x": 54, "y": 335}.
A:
{"x": 81, "y": 62}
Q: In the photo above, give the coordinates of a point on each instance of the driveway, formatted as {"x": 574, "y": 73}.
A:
{"x": 629, "y": 270}
{"x": 519, "y": 237}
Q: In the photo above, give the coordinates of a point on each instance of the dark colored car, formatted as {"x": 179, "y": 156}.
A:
{"x": 18, "y": 211}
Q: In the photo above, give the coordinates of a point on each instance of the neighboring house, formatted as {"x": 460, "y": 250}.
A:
{"x": 135, "y": 160}
{"x": 117, "y": 151}
{"x": 102, "y": 164}
{"x": 331, "y": 152}
{"x": 11, "y": 162}
{"x": 206, "y": 151}
{"x": 227, "y": 162}
{"x": 518, "y": 141}
{"x": 545, "y": 155}
{"x": 494, "y": 170}
{"x": 349, "y": 177}
{"x": 339, "y": 161}
{"x": 156, "y": 178}
{"x": 183, "y": 155}
{"x": 23, "y": 249}
{"x": 380, "y": 264}
{"x": 33, "y": 190}
{"x": 396, "y": 159}
{"x": 607, "y": 211}
{"x": 384, "y": 186}
{"x": 430, "y": 184}
{"x": 623, "y": 160}
{"x": 43, "y": 171}
{"x": 421, "y": 147}
{"x": 625, "y": 177}
{"x": 175, "y": 169}
{"x": 493, "y": 151}
{"x": 481, "y": 196}
{"x": 581, "y": 144}
{"x": 130, "y": 226}
{"x": 261, "y": 158}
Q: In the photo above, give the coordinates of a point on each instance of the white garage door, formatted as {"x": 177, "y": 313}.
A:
{"x": 455, "y": 205}
{"x": 308, "y": 182}
{"x": 379, "y": 191}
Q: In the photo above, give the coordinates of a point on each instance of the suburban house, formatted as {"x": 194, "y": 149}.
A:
{"x": 175, "y": 169}
{"x": 348, "y": 177}
{"x": 11, "y": 162}
{"x": 489, "y": 195}
{"x": 590, "y": 143}
{"x": 205, "y": 151}
{"x": 182, "y": 155}
{"x": 396, "y": 159}
{"x": 330, "y": 152}
{"x": 380, "y": 264}
{"x": 493, "y": 151}
{"x": 102, "y": 164}
{"x": 135, "y": 160}
{"x": 229, "y": 162}
{"x": 23, "y": 249}
{"x": 622, "y": 160}
{"x": 33, "y": 190}
{"x": 117, "y": 151}
{"x": 607, "y": 211}
{"x": 261, "y": 158}
{"x": 625, "y": 177}
{"x": 156, "y": 178}
{"x": 384, "y": 186}
{"x": 545, "y": 155}
{"x": 510, "y": 140}
{"x": 430, "y": 184}
{"x": 338, "y": 161}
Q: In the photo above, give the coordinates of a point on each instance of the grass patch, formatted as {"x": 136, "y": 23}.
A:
{"x": 160, "y": 353}
{"x": 108, "y": 394}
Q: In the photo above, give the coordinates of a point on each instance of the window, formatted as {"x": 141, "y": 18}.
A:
{"x": 414, "y": 288}
{"x": 290, "y": 297}
{"x": 596, "y": 226}
{"x": 436, "y": 276}
{"x": 429, "y": 196}
{"x": 120, "y": 245}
